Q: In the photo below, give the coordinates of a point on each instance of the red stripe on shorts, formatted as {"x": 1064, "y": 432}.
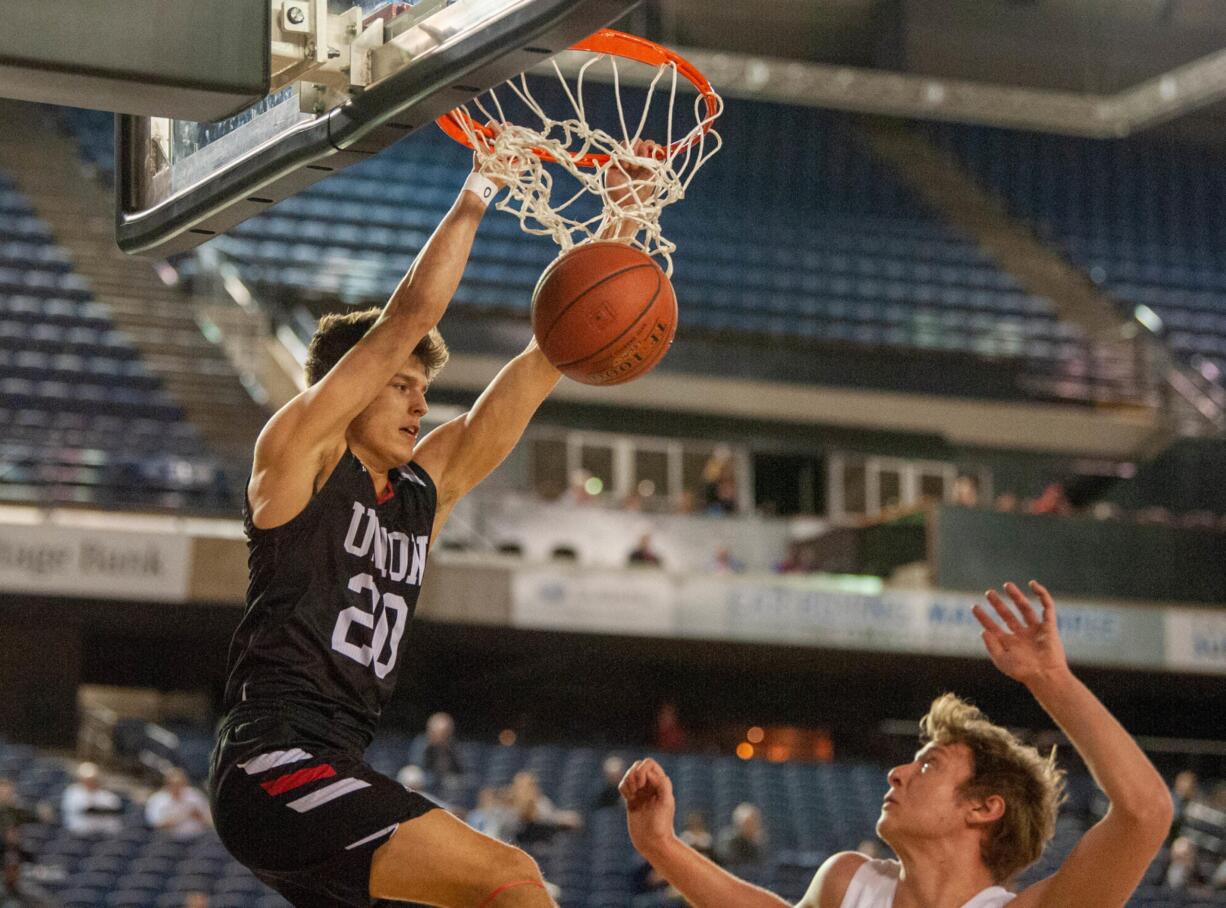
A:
{"x": 292, "y": 780}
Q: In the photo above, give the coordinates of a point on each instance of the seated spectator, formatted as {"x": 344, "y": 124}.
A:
{"x": 724, "y": 562}
{"x": 966, "y": 491}
{"x": 579, "y": 490}
{"x": 651, "y": 889}
{"x": 1184, "y": 791}
{"x": 412, "y": 777}
{"x": 88, "y": 809}
{"x": 177, "y": 809}
{"x": 801, "y": 558}
{"x": 1183, "y": 871}
{"x": 195, "y": 900}
{"x": 1106, "y": 510}
{"x": 1156, "y": 516}
{"x": 1217, "y": 797}
{"x": 14, "y": 815}
{"x": 719, "y": 483}
{"x": 538, "y": 820}
{"x": 643, "y": 553}
{"x": 16, "y": 892}
{"x": 492, "y": 815}
{"x": 670, "y": 735}
{"x": 744, "y": 842}
{"x": 1053, "y": 501}
{"x": 697, "y": 834}
{"x": 612, "y": 770}
{"x": 441, "y": 760}
{"x": 1006, "y": 503}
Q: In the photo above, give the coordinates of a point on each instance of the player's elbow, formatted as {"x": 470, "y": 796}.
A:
{"x": 1149, "y": 811}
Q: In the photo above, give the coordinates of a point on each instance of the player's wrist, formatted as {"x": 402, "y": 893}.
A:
{"x": 1049, "y": 679}
{"x": 660, "y": 848}
{"x": 480, "y": 186}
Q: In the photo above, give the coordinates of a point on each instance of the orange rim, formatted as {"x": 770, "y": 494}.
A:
{"x": 618, "y": 44}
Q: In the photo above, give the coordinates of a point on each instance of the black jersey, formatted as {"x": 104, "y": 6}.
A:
{"x": 329, "y": 602}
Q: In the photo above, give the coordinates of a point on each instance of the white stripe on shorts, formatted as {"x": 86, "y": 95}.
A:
{"x": 327, "y": 793}
{"x": 386, "y": 830}
{"x": 257, "y": 765}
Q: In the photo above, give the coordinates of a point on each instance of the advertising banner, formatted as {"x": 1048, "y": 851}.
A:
{"x": 637, "y": 603}
{"x": 95, "y": 563}
{"x": 1196, "y": 640}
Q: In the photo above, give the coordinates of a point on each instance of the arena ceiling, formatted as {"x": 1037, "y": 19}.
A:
{"x": 1094, "y": 67}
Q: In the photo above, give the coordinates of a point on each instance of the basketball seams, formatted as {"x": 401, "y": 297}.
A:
{"x": 633, "y": 324}
{"x": 608, "y": 277}
{"x": 593, "y": 335}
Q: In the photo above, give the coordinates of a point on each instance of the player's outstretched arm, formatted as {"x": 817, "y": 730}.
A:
{"x": 292, "y": 444}
{"x": 462, "y": 452}
{"x": 1110, "y": 860}
{"x": 650, "y": 808}
{"x": 628, "y": 187}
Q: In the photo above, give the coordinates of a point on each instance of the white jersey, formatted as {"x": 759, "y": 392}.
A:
{"x": 875, "y": 882}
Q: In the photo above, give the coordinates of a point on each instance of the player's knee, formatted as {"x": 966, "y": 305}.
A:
{"x": 512, "y": 870}
{"x": 514, "y": 864}
{"x": 524, "y": 866}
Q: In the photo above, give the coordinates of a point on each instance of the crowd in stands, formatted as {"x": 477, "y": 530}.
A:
{"x": 91, "y": 812}
{"x": 94, "y": 809}
{"x": 715, "y": 494}
{"x": 1196, "y": 853}
{"x": 1054, "y": 501}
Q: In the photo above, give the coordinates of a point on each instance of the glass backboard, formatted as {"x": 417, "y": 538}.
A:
{"x": 383, "y": 70}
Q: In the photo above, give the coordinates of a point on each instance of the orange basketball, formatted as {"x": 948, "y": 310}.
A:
{"x": 604, "y": 313}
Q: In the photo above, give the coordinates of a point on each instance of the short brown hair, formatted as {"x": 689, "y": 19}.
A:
{"x": 337, "y": 333}
{"x": 1030, "y": 784}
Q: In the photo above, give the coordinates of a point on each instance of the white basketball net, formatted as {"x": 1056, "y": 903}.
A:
{"x": 532, "y": 184}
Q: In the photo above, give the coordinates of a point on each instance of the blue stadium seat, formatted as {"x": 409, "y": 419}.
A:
{"x": 1142, "y": 216}
{"x": 857, "y": 233}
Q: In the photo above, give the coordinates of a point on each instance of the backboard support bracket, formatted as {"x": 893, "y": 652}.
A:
{"x": 402, "y": 83}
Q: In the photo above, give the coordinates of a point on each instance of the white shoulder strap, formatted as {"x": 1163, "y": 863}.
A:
{"x": 992, "y": 897}
{"x": 872, "y": 886}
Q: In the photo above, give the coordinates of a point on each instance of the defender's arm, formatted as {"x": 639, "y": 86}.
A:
{"x": 650, "y": 808}
{"x": 1139, "y": 818}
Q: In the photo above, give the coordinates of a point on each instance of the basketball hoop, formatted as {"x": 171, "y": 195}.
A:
{"x": 583, "y": 153}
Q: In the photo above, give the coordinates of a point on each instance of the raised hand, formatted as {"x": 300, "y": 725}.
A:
{"x": 1031, "y": 647}
{"x": 626, "y": 181}
{"x": 485, "y": 157}
{"x": 650, "y": 808}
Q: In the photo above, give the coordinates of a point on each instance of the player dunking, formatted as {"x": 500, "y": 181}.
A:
{"x": 974, "y": 808}
{"x": 342, "y": 506}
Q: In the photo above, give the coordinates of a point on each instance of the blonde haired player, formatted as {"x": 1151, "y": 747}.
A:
{"x": 972, "y": 809}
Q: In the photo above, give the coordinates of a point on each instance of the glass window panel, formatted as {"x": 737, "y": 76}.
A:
{"x": 889, "y": 484}
{"x": 932, "y": 485}
{"x": 598, "y": 461}
{"x": 855, "y": 492}
{"x": 650, "y": 473}
{"x": 549, "y": 467}
{"x": 693, "y": 462}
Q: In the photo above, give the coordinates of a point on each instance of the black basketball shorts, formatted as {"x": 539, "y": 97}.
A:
{"x": 307, "y": 821}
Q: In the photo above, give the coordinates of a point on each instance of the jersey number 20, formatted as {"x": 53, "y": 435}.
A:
{"x": 376, "y": 618}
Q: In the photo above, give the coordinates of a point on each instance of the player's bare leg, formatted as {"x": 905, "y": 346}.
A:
{"x": 438, "y": 860}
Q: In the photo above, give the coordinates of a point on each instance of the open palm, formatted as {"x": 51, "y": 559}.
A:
{"x": 1028, "y": 646}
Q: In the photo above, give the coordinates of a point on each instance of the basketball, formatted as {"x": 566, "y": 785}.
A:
{"x": 604, "y": 313}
